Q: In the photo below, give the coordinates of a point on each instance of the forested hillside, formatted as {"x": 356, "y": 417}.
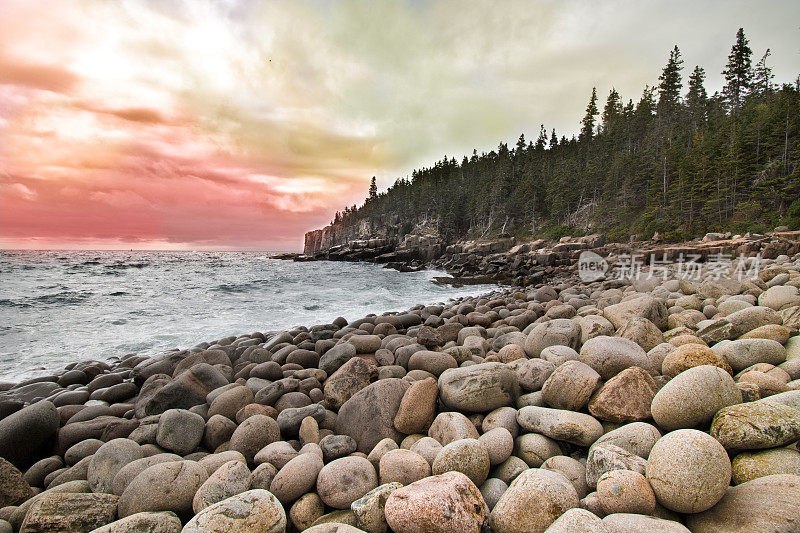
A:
{"x": 677, "y": 161}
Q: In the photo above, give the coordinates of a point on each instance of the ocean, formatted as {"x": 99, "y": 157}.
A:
{"x": 58, "y": 307}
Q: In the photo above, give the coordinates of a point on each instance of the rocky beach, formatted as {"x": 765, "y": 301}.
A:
{"x": 657, "y": 402}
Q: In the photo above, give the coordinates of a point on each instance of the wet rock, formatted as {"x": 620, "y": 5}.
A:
{"x": 24, "y": 433}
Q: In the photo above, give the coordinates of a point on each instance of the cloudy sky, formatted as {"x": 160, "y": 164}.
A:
{"x": 243, "y": 124}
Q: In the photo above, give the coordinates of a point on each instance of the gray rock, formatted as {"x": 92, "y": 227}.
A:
{"x": 568, "y": 426}
{"x": 180, "y": 431}
{"x": 70, "y": 512}
{"x": 254, "y": 510}
{"x": 609, "y": 356}
{"x": 147, "y": 522}
{"x": 253, "y": 434}
{"x": 163, "y": 487}
{"x": 556, "y": 332}
{"x": 23, "y": 434}
{"x": 108, "y": 460}
{"x": 369, "y": 415}
{"x": 479, "y": 388}
{"x": 289, "y": 420}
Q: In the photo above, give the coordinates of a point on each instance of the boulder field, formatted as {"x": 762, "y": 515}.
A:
{"x": 659, "y": 404}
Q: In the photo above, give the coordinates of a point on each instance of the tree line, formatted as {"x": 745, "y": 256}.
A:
{"x": 678, "y": 161}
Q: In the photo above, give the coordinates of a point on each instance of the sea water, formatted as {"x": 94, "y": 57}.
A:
{"x": 58, "y": 307}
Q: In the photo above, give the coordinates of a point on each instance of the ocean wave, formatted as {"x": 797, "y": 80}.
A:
{"x": 4, "y": 302}
{"x": 64, "y": 297}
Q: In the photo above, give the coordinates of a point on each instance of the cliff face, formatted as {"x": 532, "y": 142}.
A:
{"x": 322, "y": 240}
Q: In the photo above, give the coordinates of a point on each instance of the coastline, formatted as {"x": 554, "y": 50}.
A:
{"x": 472, "y": 402}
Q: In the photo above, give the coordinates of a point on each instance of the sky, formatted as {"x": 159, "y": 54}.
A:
{"x": 233, "y": 124}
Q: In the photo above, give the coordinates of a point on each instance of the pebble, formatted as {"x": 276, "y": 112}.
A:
{"x": 180, "y": 431}
{"x": 625, "y": 491}
{"x": 343, "y": 481}
{"x": 296, "y": 478}
{"x": 752, "y": 465}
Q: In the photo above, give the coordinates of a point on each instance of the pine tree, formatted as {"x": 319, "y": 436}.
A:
{"x": 697, "y": 97}
{"x": 541, "y": 141}
{"x": 612, "y": 110}
{"x": 587, "y": 124}
{"x": 669, "y": 90}
{"x": 738, "y": 73}
{"x": 553, "y": 139}
{"x": 762, "y": 77}
{"x": 373, "y": 189}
